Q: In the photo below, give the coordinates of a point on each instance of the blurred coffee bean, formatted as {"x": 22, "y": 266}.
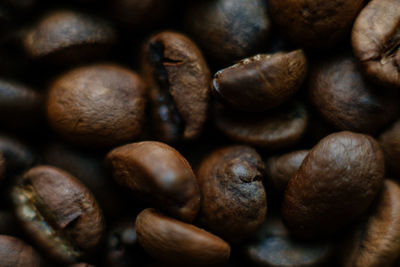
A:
{"x": 390, "y": 143}
{"x": 16, "y": 253}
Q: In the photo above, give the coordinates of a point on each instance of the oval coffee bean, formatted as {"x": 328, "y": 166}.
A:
{"x": 280, "y": 169}
{"x": 98, "y": 105}
{"x": 16, "y": 253}
{"x": 157, "y": 173}
{"x": 346, "y": 100}
{"x": 273, "y": 129}
{"x": 390, "y": 143}
{"x": 175, "y": 242}
{"x": 376, "y": 242}
{"x": 179, "y": 82}
{"x": 58, "y": 212}
{"x": 20, "y": 106}
{"x": 317, "y": 24}
{"x": 376, "y": 42}
{"x": 68, "y": 36}
{"x": 229, "y": 30}
{"x": 335, "y": 184}
{"x": 233, "y": 198}
{"x": 273, "y": 246}
{"x": 18, "y": 157}
{"x": 261, "y": 82}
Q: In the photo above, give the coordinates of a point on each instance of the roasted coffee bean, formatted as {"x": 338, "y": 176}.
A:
{"x": 66, "y": 37}
{"x": 179, "y": 84}
{"x": 346, "y": 100}
{"x": 375, "y": 242}
{"x": 175, "y": 242}
{"x": 229, "y": 30}
{"x": 58, "y": 212}
{"x": 2, "y": 166}
{"x": 20, "y": 106}
{"x": 376, "y": 42}
{"x": 233, "y": 198}
{"x": 261, "y": 82}
{"x": 139, "y": 13}
{"x": 280, "y": 169}
{"x": 158, "y": 174}
{"x": 390, "y": 143}
{"x": 279, "y": 128}
{"x": 89, "y": 169}
{"x": 18, "y": 157}
{"x": 273, "y": 246}
{"x": 81, "y": 265}
{"x": 16, "y": 253}
{"x": 98, "y": 105}
{"x": 336, "y": 183}
{"x": 318, "y": 24}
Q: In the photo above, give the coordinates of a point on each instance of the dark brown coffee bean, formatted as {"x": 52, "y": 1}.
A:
{"x": 18, "y": 157}
{"x": 274, "y": 247}
{"x": 348, "y": 102}
{"x": 140, "y": 13}
{"x": 316, "y": 24}
{"x": 158, "y": 174}
{"x": 98, "y": 105}
{"x": 335, "y": 184}
{"x": 233, "y": 198}
{"x": 16, "y": 253}
{"x": 179, "y": 84}
{"x": 2, "y": 166}
{"x": 88, "y": 168}
{"x": 20, "y": 106}
{"x": 376, "y": 241}
{"x": 280, "y": 169}
{"x": 175, "y": 242}
{"x": 58, "y": 212}
{"x": 261, "y": 82}
{"x": 229, "y": 30}
{"x": 375, "y": 41}
{"x": 273, "y": 129}
{"x": 68, "y": 36}
{"x": 82, "y": 265}
{"x": 390, "y": 143}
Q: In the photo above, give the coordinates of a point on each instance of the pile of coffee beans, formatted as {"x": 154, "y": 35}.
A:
{"x": 199, "y": 133}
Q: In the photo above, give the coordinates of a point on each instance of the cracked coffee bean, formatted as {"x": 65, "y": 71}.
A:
{"x": 98, "y": 105}
{"x": 233, "y": 198}
{"x": 16, "y": 253}
{"x": 335, "y": 184}
{"x": 58, "y": 212}
{"x": 376, "y": 41}
{"x": 175, "y": 242}
{"x": 261, "y": 82}
{"x": 157, "y": 174}
{"x": 179, "y": 82}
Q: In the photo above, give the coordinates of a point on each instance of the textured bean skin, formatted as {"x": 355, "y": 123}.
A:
{"x": 16, "y": 253}
{"x": 234, "y": 202}
{"x": 335, "y": 184}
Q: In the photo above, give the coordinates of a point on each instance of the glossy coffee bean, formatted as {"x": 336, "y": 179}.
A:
{"x": 20, "y": 106}
{"x": 346, "y": 100}
{"x": 376, "y": 43}
{"x": 179, "y": 82}
{"x": 18, "y": 156}
{"x": 175, "y": 242}
{"x": 99, "y": 105}
{"x": 317, "y": 24}
{"x": 375, "y": 242}
{"x": 273, "y": 247}
{"x": 275, "y": 129}
{"x": 390, "y": 143}
{"x": 229, "y": 30}
{"x": 336, "y": 183}
{"x": 261, "y": 82}
{"x": 58, "y": 212}
{"x": 16, "y": 253}
{"x": 139, "y": 14}
{"x": 233, "y": 198}
{"x": 280, "y": 169}
{"x": 157, "y": 174}
{"x": 67, "y": 37}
